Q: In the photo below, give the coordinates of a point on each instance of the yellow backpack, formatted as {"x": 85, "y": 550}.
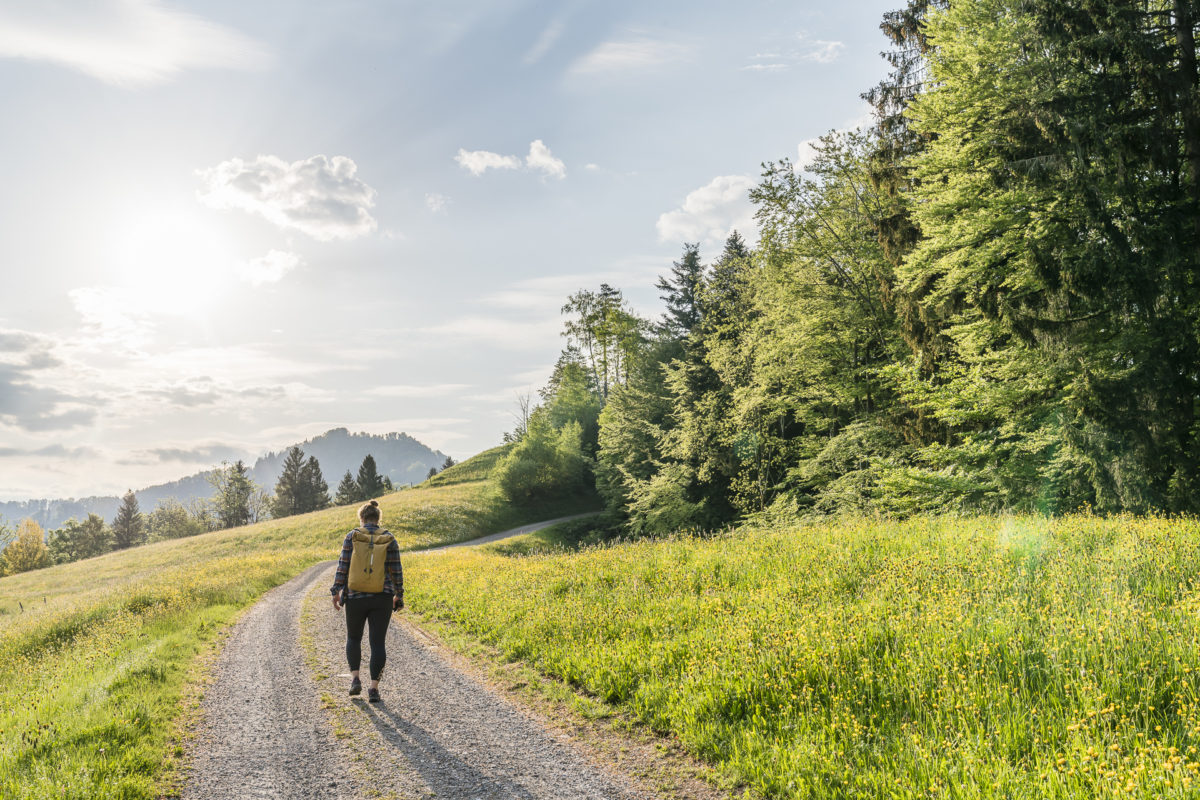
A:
{"x": 368, "y": 561}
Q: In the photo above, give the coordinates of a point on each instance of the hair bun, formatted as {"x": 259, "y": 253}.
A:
{"x": 375, "y": 503}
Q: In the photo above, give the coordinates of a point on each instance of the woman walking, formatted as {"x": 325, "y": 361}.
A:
{"x": 370, "y": 584}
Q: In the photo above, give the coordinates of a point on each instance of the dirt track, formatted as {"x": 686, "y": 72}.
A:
{"x": 438, "y": 733}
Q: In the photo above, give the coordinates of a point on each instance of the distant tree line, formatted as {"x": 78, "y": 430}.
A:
{"x": 237, "y": 500}
{"x": 986, "y": 301}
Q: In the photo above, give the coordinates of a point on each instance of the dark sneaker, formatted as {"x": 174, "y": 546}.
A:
{"x": 373, "y": 696}
{"x": 355, "y": 687}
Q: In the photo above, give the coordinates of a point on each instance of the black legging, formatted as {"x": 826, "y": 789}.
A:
{"x": 377, "y": 611}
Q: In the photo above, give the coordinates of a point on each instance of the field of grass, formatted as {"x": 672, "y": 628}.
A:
{"x": 966, "y": 658}
{"x": 94, "y": 655}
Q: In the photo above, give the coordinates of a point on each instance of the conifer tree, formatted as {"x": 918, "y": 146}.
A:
{"x": 370, "y": 484}
{"x": 347, "y": 491}
{"x": 291, "y": 490}
{"x": 314, "y": 490}
{"x": 448, "y": 463}
{"x": 129, "y": 526}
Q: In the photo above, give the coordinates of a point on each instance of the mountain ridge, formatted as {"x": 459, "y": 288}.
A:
{"x": 399, "y": 456}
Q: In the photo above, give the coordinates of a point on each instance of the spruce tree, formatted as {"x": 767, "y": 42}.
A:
{"x": 129, "y": 526}
{"x": 290, "y": 489}
{"x": 370, "y": 484}
{"x": 448, "y": 463}
{"x": 347, "y": 491}
{"x": 314, "y": 490}
{"x": 681, "y": 292}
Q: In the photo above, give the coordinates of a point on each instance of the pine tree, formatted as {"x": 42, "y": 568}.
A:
{"x": 432, "y": 471}
{"x": 290, "y": 489}
{"x": 348, "y": 491}
{"x": 129, "y": 526}
{"x": 370, "y": 485}
{"x": 448, "y": 463}
{"x": 315, "y": 491}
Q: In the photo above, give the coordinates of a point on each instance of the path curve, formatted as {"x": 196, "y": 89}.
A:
{"x": 439, "y": 732}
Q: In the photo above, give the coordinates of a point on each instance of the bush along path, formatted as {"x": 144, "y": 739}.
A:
{"x": 265, "y": 730}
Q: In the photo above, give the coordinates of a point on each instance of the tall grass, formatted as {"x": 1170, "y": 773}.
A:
{"x": 981, "y": 658}
{"x": 94, "y": 654}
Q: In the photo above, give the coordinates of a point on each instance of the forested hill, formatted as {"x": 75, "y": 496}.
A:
{"x": 399, "y": 456}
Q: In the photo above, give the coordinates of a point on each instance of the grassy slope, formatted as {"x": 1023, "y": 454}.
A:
{"x": 983, "y": 658}
{"x": 91, "y": 672}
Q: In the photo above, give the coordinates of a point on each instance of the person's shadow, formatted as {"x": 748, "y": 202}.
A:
{"x": 447, "y": 774}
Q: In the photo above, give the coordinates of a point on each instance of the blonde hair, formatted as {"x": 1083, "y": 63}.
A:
{"x": 369, "y": 512}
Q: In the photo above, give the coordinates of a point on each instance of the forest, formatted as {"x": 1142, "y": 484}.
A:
{"x": 985, "y": 301}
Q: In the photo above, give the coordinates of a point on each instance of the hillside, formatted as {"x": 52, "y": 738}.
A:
{"x": 94, "y": 655}
{"x": 398, "y": 456}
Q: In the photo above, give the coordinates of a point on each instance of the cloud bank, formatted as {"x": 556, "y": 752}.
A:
{"x": 122, "y": 42}
{"x": 319, "y": 196}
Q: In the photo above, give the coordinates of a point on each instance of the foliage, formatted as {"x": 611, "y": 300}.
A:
{"x": 77, "y": 540}
{"x": 172, "y": 520}
{"x": 27, "y": 550}
{"x": 237, "y": 497}
{"x": 987, "y": 657}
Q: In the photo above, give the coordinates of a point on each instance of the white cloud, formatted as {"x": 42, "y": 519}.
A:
{"x": 436, "y": 202}
{"x": 318, "y": 196}
{"x": 797, "y": 50}
{"x": 709, "y": 214}
{"x": 478, "y": 162}
{"x": 124, "y": 42}
{"x": 591, "y": 167}
{"x": 540, "y": 158}
{"x": 269, "y": 268}
{"x": 635, "y": 55}
{"x": 822, "y": 52}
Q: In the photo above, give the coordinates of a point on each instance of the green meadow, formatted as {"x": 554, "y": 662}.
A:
{"x": 987, "y": 657}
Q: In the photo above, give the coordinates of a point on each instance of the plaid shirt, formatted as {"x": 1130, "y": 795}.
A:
{"x": 393, "y": 582}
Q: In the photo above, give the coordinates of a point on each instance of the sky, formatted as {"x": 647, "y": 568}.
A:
{"x": 226, "y": 227}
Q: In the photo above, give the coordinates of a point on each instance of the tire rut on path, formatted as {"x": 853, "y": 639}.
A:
{"x": 264, "y": 734}
{"x": 441, "y": 733}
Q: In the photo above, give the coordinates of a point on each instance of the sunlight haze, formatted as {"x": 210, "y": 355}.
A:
{"x": 236, "y": 226}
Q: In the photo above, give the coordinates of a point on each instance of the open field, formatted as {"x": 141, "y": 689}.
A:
{"x": 94, "y": 655}
{"x": 972, "y": 658}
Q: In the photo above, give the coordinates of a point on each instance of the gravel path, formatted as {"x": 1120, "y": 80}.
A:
{"x": 264, "y": 734}
{"x": 438, "y": 732}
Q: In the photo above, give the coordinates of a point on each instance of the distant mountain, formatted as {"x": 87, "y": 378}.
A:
{"x": 397, "y": 455}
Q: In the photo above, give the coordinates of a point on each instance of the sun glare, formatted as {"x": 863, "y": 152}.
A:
{"x": 180, "y": 263}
